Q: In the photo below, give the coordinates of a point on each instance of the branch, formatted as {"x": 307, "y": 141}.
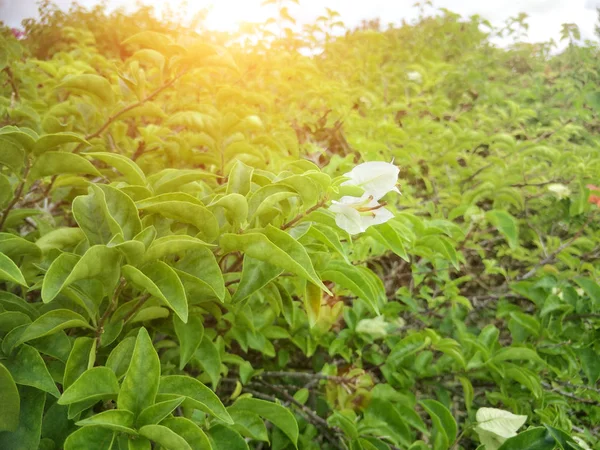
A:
{"x": 569, "y": 394}
{"x": 109, "y": 309}
{"x": 13, "y": 83}
{"x": 136, "y": 307}
{"x": 552, "y": 256}
{"x": 17, "y": 195}
{"x": 306, "y": 375}
{"x": 302, "y": 215}
{"x": 114, "y": 117}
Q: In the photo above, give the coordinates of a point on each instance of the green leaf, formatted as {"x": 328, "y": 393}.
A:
{"x": 189, "y": 431}
{"x": 224, "y": 438}
{"x": 151, "y": 39}
{"x": 119, "y": 420}
{"x": 60, "y": 238}
{"x": 327, "y": 236}
{"x": 256, "y": 274}
{"x": 98, "y": 263}
{"x": 154, "y": 414}
{"x": 277, "y": 248}
{"x": 202, "y": 264}
{"x": 59, "y": 163}
{"x": 6, "y": 191}
{"x": 355, "y": 280}
{"x": 279, "y": 416}
{"x": 388, "y": 236}
{"x": 385, "y": 411}
{"x": 197, "y": 395}
{"x": 313, "y": 297}
{"x": 468, "y": 392}
{"x": 52, "y": 322}
{"x": 516, "y": 353}
{"x": 120, "y": 357}
{"x": 506, "y": 224}
{"x": 11, "y": 302}
{"x": 27, "y": 435}
{"x": 444, "y": 425}
{"x": 15, "y": 246}
{"x": 532, "y": 439}
{"x": 10, "y": 405}
{"x": 188, "y": 212}
{"x": 28, "y": 368}
{"x": 121, "y": 208}
{"x": 210, "y": 359}
{"x": 130, "y": 170}
{"x": 175, "y": 244}
{"x": 589, "y": 363}
{"x": 240, "y": 178}
{"x": 164, "y": 436}
{"x": 10, "y": 272}
{"x": 140, "y": 385}
{"x": 171, "y": 180}
{"x": 91, "y": 214}
{"x": 11, "y": 155}
{"x": 190, "y": 336}
{"x": 249, "y": 424}
{"x": 161, "y": 281}
{"x": 91, "y": 438}
{"x": 442, "y": 245}
{"x": 235, "y": 207}
{"x": 88, "y": 84}
{"x": 81, "y": 358}
{"x": 97, "y": 383}
{"x": 51, "y": 141}
{"x": 592, "y": 290}
{"x": 56, "y": 345}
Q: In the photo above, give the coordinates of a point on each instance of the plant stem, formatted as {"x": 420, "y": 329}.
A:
{"x": 127, "y": 108}
{"x": 304, "y": 214}
{"x": 17, "y": 195}
{"x": 136, "y": 307}
{"x": 109, "y": 310}
{"x": 13, "y": 83}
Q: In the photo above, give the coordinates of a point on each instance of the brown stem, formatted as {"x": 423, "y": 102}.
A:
{"x": 128, "y": 108}
{"x": 13, "y": 83}
{"x": 109, "y": 310}
{"x": 16, "y": 197}
{"x": 300, "y": 216}
{"x": 136, "y": 307}
{"x": 552, "y": 256}
{"x": 306, "y": 375}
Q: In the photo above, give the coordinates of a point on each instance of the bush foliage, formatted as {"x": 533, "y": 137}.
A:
{"x": 171, "y": 276}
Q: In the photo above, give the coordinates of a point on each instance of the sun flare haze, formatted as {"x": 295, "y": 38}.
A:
{"x": 300, "y": 225}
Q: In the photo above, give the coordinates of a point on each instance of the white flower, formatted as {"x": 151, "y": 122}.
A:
{"x": 560, "y": 190}
{"x": 376, "y": 328}
{"x": 377, "y": 178}
{"x": 494, "y": 426}
{"x": 356, "y": 214}
{"x": 414, "y": 76}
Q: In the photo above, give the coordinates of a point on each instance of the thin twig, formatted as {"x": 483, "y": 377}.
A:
{"x": 305, "y": 375}
{"x": 13, "y": 83}
{"x": 300, "y": 216}
{"x": 109, "y": 309}
{"x": 569, "y": 394}
{"x": 136, "y": 307}
{"x": 551, "y": 257}
{"x": 128, "y": 108}
{"x": 16, "y": 196}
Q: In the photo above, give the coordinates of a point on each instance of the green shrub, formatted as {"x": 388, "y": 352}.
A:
{"x": 190, "y": 257}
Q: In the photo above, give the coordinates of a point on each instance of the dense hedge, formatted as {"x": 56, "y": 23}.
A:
{"x": 178, "y": 268}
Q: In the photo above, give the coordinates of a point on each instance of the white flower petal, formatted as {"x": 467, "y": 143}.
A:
{"x": 377, "y": 178}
